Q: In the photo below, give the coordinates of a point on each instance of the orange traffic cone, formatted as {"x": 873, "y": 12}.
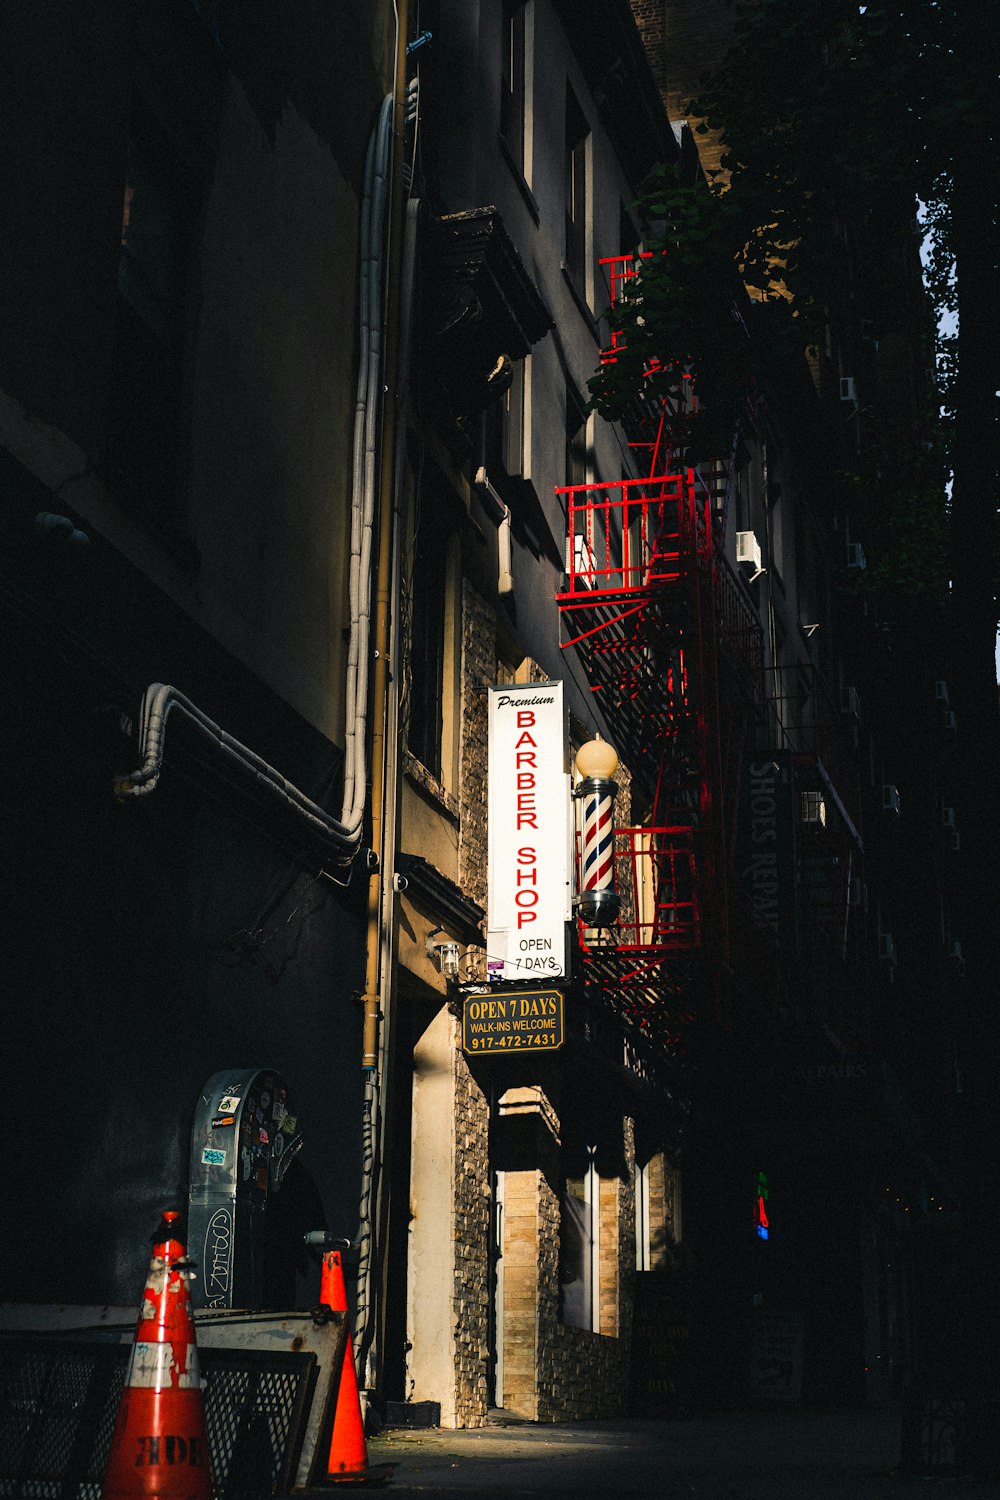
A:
{"x": 159, "y": 1450}
{"x": 348, "y": 1460}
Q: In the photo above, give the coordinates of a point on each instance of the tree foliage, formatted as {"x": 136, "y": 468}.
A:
{"x": 838, "y": 120}
{"x": 843, "y": 123}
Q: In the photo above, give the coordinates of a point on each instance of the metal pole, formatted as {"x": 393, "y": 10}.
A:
{"x": 380, "y": 897}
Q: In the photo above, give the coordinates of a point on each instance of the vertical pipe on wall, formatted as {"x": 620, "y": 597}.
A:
{"x": 379, "y": 890}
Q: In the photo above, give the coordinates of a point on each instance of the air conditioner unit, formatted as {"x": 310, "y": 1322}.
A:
{"x": 848, "y": 391}
{"x": 948, "y": 817}
{"x": 856, "y": 555}
{"x": 887, "y": 947}
{"x": 748, "y": 550}
{"x": 812, "y": 809}
{"x": 950, "y": 719}
{"x": 890, "y": 798}
{"x": 850, "y": 703}
{"x": 956, "y": 841}
{"x": 941, "y": 692}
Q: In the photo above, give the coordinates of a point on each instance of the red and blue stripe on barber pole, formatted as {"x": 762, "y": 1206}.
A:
{"x": 597, "y": 832}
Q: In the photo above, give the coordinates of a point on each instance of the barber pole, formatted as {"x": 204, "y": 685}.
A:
{"x": 597, "y": 903}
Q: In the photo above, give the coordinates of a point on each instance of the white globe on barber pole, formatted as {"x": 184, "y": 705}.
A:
{"x": 530, "y": 833}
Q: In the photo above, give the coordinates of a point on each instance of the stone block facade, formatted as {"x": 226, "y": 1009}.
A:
{"x": 479, "y": 665}
{"x": 472, "y": 1237}
{"x": 554, "y": 1372}
{"x": 472, "y": 1120}
{"x": 551, "y": 1371}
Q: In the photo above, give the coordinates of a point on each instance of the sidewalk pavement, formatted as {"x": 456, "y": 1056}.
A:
{"x": 765, "y": 1454}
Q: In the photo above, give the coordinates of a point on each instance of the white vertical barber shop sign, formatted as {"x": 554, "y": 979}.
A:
{"x": 530, "y": 896}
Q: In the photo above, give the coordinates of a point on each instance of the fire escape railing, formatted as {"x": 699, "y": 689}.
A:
{"x": 673, "y": 652}
{"x": 635, "y": 553}
{"x": 648, "y": 602}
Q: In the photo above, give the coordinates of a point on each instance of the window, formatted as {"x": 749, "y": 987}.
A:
{"x": 512, "y": 82}
{"x": 504, "y": 422}
{"x": 427, "y": 647}
{"x": 576, "y": 438}
{"x": 583, "y": 560}
{"x": 433, "y": 647}
{"x": 140, "y": 458}
{"x": 643, "y": 1238}
{"x": 513, "y": 414}
{"x": 657, "y": 1209}
{"x": 628, "y": 235}
{"x": 580, "y": 1241}
{"x": 577, "y": 144}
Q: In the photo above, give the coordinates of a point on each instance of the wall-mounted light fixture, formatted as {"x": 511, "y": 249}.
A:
{"x": 444, "y": 955}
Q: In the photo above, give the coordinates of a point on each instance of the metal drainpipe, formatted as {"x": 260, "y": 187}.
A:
{"x": 380, "y": 898}
{"x": 384, "y": 563}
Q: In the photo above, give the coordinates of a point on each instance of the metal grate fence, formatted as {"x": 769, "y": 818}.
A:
{"x": 59, "y": 1400}
{"x": 951, "y": 1436}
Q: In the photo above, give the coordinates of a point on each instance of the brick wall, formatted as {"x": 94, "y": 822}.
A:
{"x": 472, "y": 1168}
{"x": 685, "y": 40}
{"x": 551, "y": 1372}
{"x": 650, "y": 18}
{"x": 479, "y": 660}
{"x": 664, "y": 1226}
{"x": 610, "y": 1269}
{"x": 523, "y": 1269}
{"x": 585, "y": 1376}
{"x": 472, "y": 1236}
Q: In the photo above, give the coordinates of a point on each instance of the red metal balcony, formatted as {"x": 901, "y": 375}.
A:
{"x": 655, "y": 881}
{"x": 634, "y": 554}
{"x": 672, "y": 647}
{"x": 634, "y": 537}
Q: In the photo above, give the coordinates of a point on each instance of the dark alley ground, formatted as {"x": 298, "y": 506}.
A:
{"x": 766, "y": 1454}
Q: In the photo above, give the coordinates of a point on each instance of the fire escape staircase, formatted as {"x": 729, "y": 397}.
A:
{"x": 673, "y": 652}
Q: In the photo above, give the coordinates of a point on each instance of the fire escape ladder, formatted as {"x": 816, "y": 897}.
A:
{"x": 633, "y": 606}
{"x": 673, "y": 652}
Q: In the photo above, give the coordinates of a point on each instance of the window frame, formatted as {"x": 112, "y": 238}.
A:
{"x": 577, "y": 147}
{"x": 588, "y": 1224}
{"x": 643, "y": 1237}
{"x": 144, "y": 444}
{"x": 437, "y": 751}
{"x": 513, "y": 81}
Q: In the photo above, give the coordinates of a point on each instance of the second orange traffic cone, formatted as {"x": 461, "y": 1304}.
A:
{"x": 159, "y": 1448}
{"x": 348, "y": 1460}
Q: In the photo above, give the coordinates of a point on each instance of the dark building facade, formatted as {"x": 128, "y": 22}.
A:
{"x": 294, "y": 421}
{"x": 179, "y": 334}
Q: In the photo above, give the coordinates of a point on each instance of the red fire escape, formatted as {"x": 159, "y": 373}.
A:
{"x": 672, "y": 648}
